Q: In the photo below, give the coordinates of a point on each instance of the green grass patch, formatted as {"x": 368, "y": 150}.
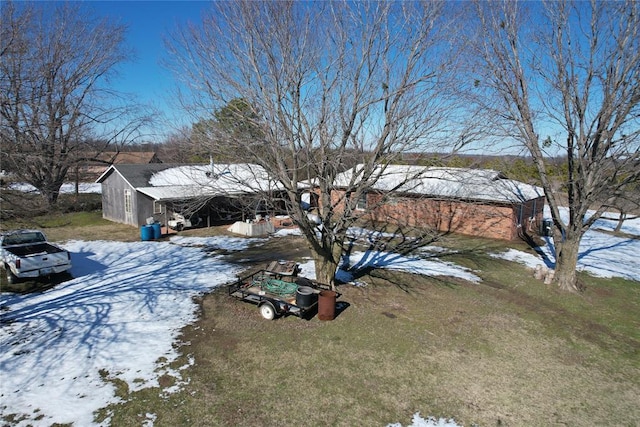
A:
{"x": 61, "y": 227}
{"x": 75, "y": 219}
{"x": 58, "y": 220}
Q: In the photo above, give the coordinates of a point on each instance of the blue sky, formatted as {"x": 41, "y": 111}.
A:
{"x": 148, "y": 22}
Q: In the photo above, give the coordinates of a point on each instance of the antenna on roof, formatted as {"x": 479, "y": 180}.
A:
{"x": 211, "y": 173}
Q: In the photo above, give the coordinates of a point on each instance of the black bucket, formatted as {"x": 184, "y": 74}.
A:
{"x": 305, "y": 296}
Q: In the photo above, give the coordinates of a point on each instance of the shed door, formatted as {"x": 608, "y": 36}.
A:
{"x": 128, "y": 208}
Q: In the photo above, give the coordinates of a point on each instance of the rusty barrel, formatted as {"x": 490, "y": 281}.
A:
{"x": 327, "y": 305}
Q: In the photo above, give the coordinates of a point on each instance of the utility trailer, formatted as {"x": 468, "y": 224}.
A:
{"x": 274, "y": 296}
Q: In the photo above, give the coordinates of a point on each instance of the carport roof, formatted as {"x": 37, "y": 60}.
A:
{"x": 183, "y": 192}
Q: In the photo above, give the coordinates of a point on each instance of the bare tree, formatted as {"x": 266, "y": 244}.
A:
{"x": 177, "y": 148}
{"x": 626, "y": 204}
{"x": 564, "y": 77}
{"x": 331, "y": 86}
{"x": 56, "y": 61}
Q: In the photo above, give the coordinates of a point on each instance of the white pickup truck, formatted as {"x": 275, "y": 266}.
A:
{"x": 27, "y": 254}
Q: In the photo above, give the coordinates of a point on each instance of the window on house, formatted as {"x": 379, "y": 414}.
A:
{"x": 127, "y": 202}
{"x": 361, "y": 204}
{"x": 157, "y": 207}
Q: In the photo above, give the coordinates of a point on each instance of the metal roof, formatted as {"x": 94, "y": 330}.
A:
{"x": 166, "y": 182}
{"x": 458, "y": 183}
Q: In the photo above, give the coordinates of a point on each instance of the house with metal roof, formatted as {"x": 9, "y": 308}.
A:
{"x": 134, "y": 193}
{"x": 476, "y": 202}
{"x": 467, "y": 201}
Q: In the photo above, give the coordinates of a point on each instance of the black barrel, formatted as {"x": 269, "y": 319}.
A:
{"x": 305, "y": 296}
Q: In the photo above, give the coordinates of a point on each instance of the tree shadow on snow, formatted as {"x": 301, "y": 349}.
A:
{"x": 102, "y": 305}
{"x": 401, "y": 249}
{"x": 591, "y": 251}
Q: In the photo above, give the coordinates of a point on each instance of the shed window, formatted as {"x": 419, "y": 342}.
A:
{"x": 127, "y": 202}
{"x": 157, "y": 207}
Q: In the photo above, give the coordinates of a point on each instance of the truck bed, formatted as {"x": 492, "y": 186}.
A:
{"x": 33, "y": 249}
{"x": 26, "y": 254}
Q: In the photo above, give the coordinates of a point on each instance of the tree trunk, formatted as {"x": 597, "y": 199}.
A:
{"x": 566, "y": 262}
{"x": 621, "y": 219}
{"x": 51, "y": 197}
{"x": 77, "y": 182}
{"x": 326, "y": 265}
{"x": 51, "y": 190}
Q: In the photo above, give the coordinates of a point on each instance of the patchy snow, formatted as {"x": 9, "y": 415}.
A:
{"x": 407, "y": 264}
{"x": 227, "y": 243}
{"x": 601, "y": 254}
{"x": 391, "y": 261}
{"x": 515, "y": 255}
{"x": 121, "y": 314}
{"x": 67, "y": 188}
{"x": 424, "y": 263}
{"x": 288, "y": 232}
{"x": 418, "y": 421}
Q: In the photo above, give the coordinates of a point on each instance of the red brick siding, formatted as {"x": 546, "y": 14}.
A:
{"x": 465, "y": 217}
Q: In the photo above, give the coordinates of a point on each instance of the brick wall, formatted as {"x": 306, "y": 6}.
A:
{"x": 491, "y": 220}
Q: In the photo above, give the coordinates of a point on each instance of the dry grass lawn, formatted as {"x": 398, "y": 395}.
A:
{"x": 509, "y": 351}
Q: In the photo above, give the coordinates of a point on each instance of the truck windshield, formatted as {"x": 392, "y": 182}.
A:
{"x": 23, "y": 238}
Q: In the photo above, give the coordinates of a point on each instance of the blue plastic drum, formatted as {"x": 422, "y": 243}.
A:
{"x": 146, "y": 233}
{"x": 157, "y": 230}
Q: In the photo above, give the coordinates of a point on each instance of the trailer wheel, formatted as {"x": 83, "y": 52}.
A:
{"x": 267, "y": 310}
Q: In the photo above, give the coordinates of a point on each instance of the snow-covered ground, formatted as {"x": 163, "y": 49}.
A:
{"x": 601, "y": 254}
{"x": 120, "y": 316}
{"x": 67, "y": 188}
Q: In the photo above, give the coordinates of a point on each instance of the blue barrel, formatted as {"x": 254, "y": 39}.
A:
{"x": 146, "y": 233}
{"x": 157, "y": 230}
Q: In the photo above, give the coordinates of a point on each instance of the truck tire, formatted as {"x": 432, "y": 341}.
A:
{"x": 11, "y": 278}
{"x": 267, "y": 310}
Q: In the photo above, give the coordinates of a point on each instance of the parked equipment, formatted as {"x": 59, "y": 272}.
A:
{"x": 276, "y": 297}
